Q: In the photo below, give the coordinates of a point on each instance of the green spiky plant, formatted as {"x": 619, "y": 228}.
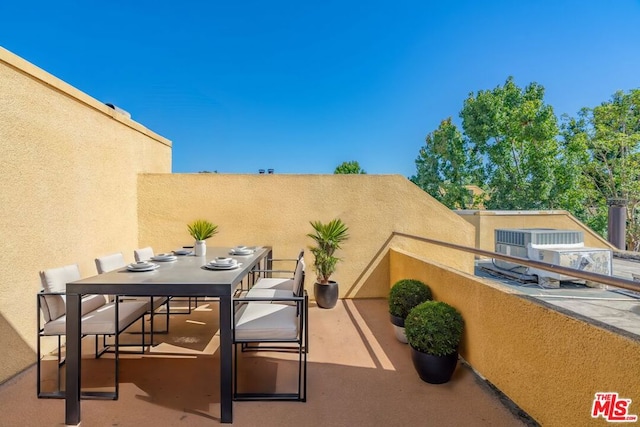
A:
{"x": 328, "y": 237}
{"x": 202, "y": 229}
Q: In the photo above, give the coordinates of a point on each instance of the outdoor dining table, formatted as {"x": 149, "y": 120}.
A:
{"x": 185, "y": 277}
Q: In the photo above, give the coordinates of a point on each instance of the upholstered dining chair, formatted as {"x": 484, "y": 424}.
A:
{"x": 115, "y": 261}
{"x": 143, "y": 254}
{"x": 280, "y": 325}
{"x": 98, "y": 317}
{"x": 282, "y": 294}
{"x": 284, "y": 288}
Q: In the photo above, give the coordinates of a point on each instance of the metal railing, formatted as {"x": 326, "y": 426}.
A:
{"x": 580, "y": 274}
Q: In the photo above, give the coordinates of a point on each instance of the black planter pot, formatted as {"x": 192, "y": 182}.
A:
{"x": 397, "y": 321}
{"x": 434, "y": 369}
{"x": 326, "y": 295}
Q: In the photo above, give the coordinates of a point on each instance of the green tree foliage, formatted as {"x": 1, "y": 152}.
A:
{"x": 515, "y": 133}
{"x": 512, "y": 148}
{"x": 351, "y": 167}
{"x": 446, "y": 165}
{"x": 609, "y": 138}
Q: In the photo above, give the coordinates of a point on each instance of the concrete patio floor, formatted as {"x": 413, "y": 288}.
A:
{"x": 358, "y": 375}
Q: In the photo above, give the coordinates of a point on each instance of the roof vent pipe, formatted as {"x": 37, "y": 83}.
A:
{"x": 118, "y": 109}
{"x": 617, "y": 223}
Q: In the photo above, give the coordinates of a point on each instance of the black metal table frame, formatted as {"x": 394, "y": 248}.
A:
{"x": 111, "y": 284}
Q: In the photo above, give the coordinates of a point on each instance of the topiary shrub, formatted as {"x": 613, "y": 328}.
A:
{"x": 434, "y": 327}
{"x": 406, "y": 294}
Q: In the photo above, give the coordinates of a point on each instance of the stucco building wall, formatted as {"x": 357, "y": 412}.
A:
{"x": 276, "y": 209}
{"x": 549, "y": 363}
{"x": 69, "y": 167}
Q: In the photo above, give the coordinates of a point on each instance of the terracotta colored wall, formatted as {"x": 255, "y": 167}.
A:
{"x": 276, "y": 209}
{"x": 69, "y": 194}
{"x": 486, "y": 222}
{"x": 548, "y": 363}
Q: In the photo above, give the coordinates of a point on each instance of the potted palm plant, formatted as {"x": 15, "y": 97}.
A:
{"x": 201, "y": 230}
{"x": 403, "y": 296}
{"x": 328, "y": 237}
{"x": 434, "y": 330}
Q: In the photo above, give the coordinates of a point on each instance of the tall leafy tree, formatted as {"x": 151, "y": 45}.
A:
{"x": 446, "y": 165}
{"x": 515, "y": 132}
{"x": 609, "y": 135}
{"x": 351, "y": 167}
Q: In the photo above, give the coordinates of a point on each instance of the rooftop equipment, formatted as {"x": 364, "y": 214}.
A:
{"x": 558, "y": 247}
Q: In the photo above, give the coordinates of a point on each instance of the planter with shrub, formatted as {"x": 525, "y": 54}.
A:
{"x": 404, "y": 295}
{"x": 434, "y": 330}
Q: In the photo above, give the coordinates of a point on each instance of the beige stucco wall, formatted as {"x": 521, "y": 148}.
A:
{"x": 276, "y": 209}
{"x": 548, "y": 363}
{"x": 69, "y": 190}
{"x": 486, "y": 222}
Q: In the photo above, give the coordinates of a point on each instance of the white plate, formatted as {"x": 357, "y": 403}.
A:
{"x": 223, "y": 264}
{"x": 137, "y": 269}
{"x": 165, "y": 258}
{"x": 183, "y": 252}
{"x": 241, "y": 252}
{"x": 223, "y": 261}
{"x": 141, "y": 264}
{"x": 211, "y": 266}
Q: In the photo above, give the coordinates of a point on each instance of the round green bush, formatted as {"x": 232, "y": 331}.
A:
{"x": 406, "y": 294}
{"x": 434, "y": 327}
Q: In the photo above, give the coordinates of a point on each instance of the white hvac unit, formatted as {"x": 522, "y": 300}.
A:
{"x": 558, "y": 247}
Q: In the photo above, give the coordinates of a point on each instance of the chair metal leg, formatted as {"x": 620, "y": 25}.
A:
{"x": 117, "y": 354}
{"x": 152, "y": 314}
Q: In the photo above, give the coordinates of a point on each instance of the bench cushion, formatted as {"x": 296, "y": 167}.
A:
{"x": 274, "y": 283}
{"x": 92, "y": 302}
{"x": 266, "y": 322}
{"x": 102, "y": 320}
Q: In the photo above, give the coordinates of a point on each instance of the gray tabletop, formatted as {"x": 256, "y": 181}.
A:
{"x": 186, "y": 276}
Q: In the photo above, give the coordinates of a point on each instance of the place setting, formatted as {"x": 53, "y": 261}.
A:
{"x": 142, "y": 266}
{"x": 183, "y": 251}
{"x": 242, "y": 250}
{"x": 222, "y": 263}
{"x": 164, "y": 257}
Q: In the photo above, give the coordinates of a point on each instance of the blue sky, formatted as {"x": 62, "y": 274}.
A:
{"x": 301, "y": 87}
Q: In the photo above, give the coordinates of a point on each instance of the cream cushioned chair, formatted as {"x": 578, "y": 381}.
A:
{"x": 143, "y": 254}
{"x": 277, "y": 318}
{"x": 276, "y": 323}
{"x": 98, "y": 317}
